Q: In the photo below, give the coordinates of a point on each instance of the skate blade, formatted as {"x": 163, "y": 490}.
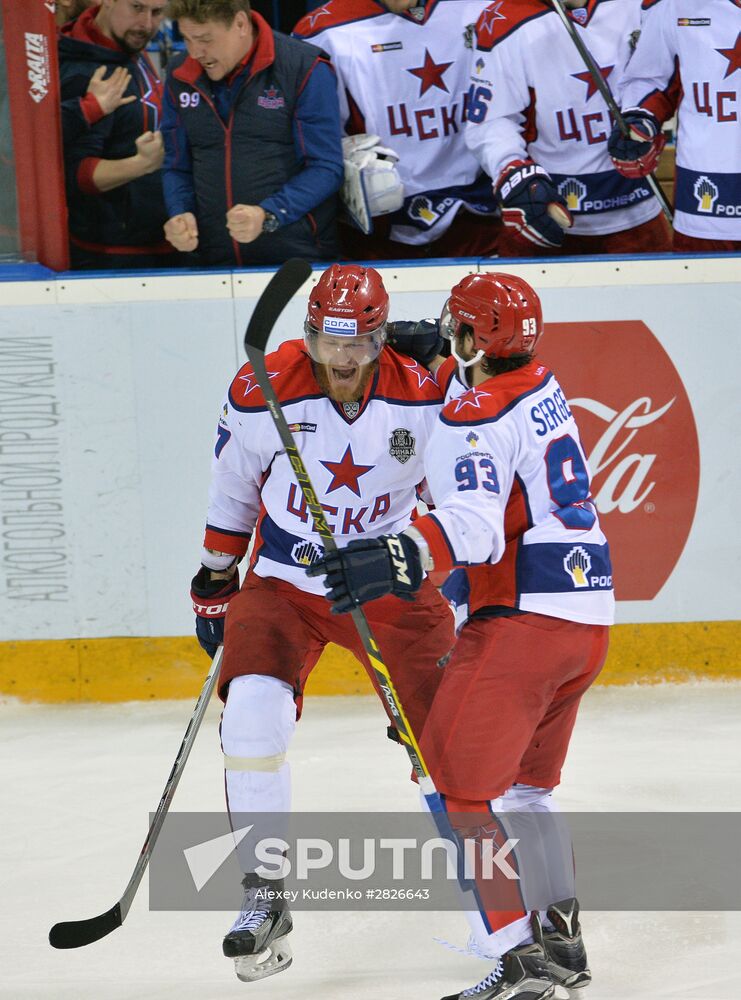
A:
{"x": 579, "y": 992}
{"x": 576, "y": 984}
{"x": 569, "y": 980}
{"x": 276, "y": 957}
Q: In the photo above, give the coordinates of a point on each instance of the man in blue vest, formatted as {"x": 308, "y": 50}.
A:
{"x": 253, "y": 158}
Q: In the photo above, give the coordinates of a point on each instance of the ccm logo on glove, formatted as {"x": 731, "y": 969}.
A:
{"x": 398, "y": 558}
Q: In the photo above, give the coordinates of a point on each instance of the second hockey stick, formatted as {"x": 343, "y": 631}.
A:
{"x": 77, "y": 933}
{"x": 602, "y": 86}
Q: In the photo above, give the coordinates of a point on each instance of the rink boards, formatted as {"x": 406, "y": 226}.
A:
{"x": 109, "y": 393}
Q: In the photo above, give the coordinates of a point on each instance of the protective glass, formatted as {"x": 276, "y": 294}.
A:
{"x": 344, "y": 350}
{"x": 448, "y": 323}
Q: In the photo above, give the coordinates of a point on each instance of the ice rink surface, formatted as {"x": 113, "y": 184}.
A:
{"x": 78, "y": 783}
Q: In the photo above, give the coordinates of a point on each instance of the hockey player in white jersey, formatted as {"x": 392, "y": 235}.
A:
{"x": 402, "y": 76}
{"x": 688, "y": 61}
{"x": 531, "y": 575}
{"x": 539, "y": 126}
{"x": 362, "y": 415}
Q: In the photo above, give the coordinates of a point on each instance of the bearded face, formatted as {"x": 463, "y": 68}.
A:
{"x": 344, "y": 383}
{"x": 344, "y": 364}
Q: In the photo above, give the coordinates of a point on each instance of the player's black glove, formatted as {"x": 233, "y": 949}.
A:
{"x": 421, "y": 341}
{"x": 636, "y": 154}
{"x": 531, "y": 203}
{"x": 369, "y": 568}
{"x": 210, "y": 601}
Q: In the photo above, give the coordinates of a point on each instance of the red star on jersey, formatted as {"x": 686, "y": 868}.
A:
{"x": 733, "y": 56}
{"x": 346, "y": 472}
{"x": 422, "y": 374}
{"x": 471, "y": 398}
{"x": 317, "y": 13}
{"x": 250, "y": 382}
{"x": 586, "y": 77}
{"x": 431, "y": 74}
{"x": 491, "y": 15}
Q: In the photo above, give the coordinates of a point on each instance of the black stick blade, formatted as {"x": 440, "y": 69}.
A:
{"x": 78, "y": 933}
{"x": 278, "y": 293}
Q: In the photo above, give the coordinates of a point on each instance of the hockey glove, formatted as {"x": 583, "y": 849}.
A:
{"x": 636, "y": 154}
{"x": 210, "y": 601}
{"x": 531, "y": 203}
{"x": 370, "y": 568}
{"x": 372, "y": 183}
{"x": 421, "y": 341}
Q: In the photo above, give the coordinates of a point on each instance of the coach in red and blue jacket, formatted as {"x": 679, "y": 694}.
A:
{"x": 253, "y": 157}
{"x": 112, "y": 162}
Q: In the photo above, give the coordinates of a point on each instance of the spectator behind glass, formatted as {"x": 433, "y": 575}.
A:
{"x": 114, "y": 187}
{"x": 403, "y": 78}
{"x": 253, "y": 158}
{"x": 691, "y": 66}
{"x": 68, "y": 10}
{"x": 540, "y": 127}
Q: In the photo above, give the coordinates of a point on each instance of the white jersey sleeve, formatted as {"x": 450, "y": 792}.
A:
{"x": 688, "y": 59}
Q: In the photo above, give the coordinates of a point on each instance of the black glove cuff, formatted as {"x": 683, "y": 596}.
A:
{"x": 203, "y": 586}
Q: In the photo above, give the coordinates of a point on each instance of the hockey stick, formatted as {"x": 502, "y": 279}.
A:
{"x": 76, "y": 933}
{"x": 604, "y": 89}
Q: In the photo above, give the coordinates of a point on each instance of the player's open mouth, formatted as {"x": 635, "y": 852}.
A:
{"x": 344, "y": 374}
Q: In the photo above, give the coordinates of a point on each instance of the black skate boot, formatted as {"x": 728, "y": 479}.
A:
{"x": 563, "y": 946}
{"x": 521, "y": 974}
{"x": 257, "y": 939}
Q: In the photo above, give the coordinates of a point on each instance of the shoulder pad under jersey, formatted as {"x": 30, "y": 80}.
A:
{"x": 337, "y": 12}
{"x": 403, "y": 379}
{"x": 497, "y": 396}
{"x": 503, "y": 17}
{"x": 291, "y": 375}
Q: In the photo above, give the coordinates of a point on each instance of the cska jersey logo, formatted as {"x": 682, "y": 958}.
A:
{"x": 430, "y": 74}
{"x": 346, "y": 473}
{"x": 733, "y": 56}
{"x": 586, "y": 77}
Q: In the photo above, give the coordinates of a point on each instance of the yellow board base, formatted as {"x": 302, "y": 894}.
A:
{"x": 136, "y": 669}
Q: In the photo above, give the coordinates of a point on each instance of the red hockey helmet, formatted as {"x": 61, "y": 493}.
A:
{"x": 503, "y": 312}
{"x": 348, "y": 310}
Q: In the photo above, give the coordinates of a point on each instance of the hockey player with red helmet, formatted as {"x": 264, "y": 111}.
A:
{"x": 362, "y": 415}
{"x": 515, "y": 526}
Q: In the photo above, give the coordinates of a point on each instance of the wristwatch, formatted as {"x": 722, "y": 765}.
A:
{"x": 270, "y": 224}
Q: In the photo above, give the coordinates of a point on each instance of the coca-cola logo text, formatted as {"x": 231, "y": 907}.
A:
{"x": 638, "y": 431}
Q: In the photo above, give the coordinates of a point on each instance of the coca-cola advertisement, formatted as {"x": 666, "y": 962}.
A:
{"x": 639, "y": 433}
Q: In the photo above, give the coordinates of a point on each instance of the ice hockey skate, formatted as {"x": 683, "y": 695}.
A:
{"x": 257, "y": 939}
{"x": 521, "y": 974}
{"x": 563, "y": 946}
